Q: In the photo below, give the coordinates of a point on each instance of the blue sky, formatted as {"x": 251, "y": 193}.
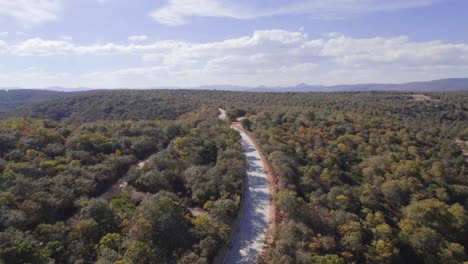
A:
{"x": 186, "y": 43}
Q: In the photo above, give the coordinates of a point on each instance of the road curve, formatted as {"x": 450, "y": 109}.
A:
{"x": 249, "y": 240}
{"x": 222, "y": 114}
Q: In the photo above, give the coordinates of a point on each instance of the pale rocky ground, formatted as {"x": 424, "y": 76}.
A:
{"x": 248, "y": 242}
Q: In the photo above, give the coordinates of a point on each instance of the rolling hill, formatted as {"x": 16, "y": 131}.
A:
{"x": 12, "y": 99}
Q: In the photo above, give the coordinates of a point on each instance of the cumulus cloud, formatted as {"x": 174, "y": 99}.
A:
{"x": 270, "y": 57}
{"x": 178, "y": 12}
{"x": 40, "y": 47}
{"x": 265, "y": 45}
{"x": 30, "y": 12}
{"x": 398, "y": 50}
{"x": 138, "y": 38}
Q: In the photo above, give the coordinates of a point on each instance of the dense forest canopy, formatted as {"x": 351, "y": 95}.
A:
{"x": 12, "y": 99}
{"x": 59, "y": 200}
{"x": 168, "y": 104}
{"x": 368, "y": 177}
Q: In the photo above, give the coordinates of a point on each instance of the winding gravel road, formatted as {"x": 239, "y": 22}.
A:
{"x": 248, "y": 242}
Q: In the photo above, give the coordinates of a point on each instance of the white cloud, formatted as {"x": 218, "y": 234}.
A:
{"x": 40, "y": 47}
{"x": 270, "y": 57}
{"x": 30, "y": 12}
{"x": 178, "y": 12}
{"x": 397, "y": 50}
{"x": 292, "y": 47}
{"x": 138, "y": 38}
{"x": 3, "y": 34}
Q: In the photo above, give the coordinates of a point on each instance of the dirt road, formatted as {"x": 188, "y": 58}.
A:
{"x": 222, "y": 114}
{"x": 249, "y": 240}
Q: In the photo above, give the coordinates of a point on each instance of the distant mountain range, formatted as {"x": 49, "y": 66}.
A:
{"x": 454, "y": 84}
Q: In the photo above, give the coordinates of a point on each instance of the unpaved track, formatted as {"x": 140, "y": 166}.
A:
{"x": 249, "y": 240}
{"x": 222, "y": 114}
{"x": 107, "y": 194}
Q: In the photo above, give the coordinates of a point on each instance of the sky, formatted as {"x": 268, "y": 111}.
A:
{"x": 190, "y": 43}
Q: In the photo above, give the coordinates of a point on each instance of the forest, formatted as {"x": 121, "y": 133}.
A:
{"x": 58, "y": 201}
{"x": 373, "y": 178}
{"x": 363, "y": 177}
{"x": 11, "y": 99}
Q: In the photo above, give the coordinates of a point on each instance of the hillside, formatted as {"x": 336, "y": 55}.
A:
{"x": 169, "y": 104}
{"x": 117, "y": 105}
{"x": 12, "y": 99}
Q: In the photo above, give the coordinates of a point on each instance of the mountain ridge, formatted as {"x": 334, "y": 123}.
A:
{"x": 452, "y": 84}
{"x": 439, "y": 85}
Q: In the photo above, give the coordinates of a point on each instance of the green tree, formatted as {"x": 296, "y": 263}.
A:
{"x": 140, "y": 253}
{"x": 246, "y": 124}
{"x": 165, "y": 213}
{"x": 204, "y": 226}
{"x": 111, "y": 241}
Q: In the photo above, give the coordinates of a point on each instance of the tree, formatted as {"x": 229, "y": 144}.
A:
{"x": 246, "y": 124}
{"x": 436, "y": 215}
{"x": 223, "y": 209}
{"x": 430, "y": 225}
{"x": 351, "y": 236}
{"x": 140, "y": 253}
{"x": 381, "y": 251}
{"x": 19, "y": 247}
{"x": 453, "y": 253}
{"x": 205, "y": 226}
{"x": 327, "y": 259}
{"x": 48, "y": 232}
{"x": 192, "y": 258}
{"x": 288, "y": 202}
{"x": 235, "y": 113}
{"x": 111, "y": 241}
{"x": 165, "y": 213}
{"x": 202, "y": 186}
{"x": 86, "y": 229}
{"x": 396, "y": 192}
{"x": 154, "y": 181}
{"x": 102, "y": 214}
